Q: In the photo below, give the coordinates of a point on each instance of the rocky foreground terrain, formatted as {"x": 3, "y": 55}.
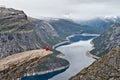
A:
{"x": 15, "y": 66}
{"x": 106, "y": 68}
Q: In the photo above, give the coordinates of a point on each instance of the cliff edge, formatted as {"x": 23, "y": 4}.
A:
{"x": 15, "y": 66}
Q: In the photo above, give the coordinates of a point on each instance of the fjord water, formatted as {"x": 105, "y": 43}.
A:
{"x": 75, "y": 53}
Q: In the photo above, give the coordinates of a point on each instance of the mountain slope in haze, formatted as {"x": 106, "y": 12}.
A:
{"x": 106, "y": 41}
{"x": 69, "y": 27}
{"x": 106, "y": 68}
{"x": 101, "y": 24}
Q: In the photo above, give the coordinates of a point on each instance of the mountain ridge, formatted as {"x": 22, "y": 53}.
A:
{"x": 108, "y": 40}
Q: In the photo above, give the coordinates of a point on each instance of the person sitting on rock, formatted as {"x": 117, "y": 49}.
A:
{"x": 47, "y": 48}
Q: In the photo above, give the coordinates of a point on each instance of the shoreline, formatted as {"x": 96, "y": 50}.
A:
{"x": 90, "y": 54}
{"x": 63, "y": 42}
{"x": 47, "y": 71}
{"x": 67, "y": 39}
{"x": 58, "y": 44}
{"x": 61, "y": 55}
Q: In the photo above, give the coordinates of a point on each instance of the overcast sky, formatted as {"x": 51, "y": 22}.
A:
{"x": 73, "y": 9}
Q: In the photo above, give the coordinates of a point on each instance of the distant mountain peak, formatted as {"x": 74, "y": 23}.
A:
{"x": 110, "y": 17}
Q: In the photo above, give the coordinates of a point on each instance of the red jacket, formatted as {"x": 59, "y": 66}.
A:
{"x": 47, "y": 48}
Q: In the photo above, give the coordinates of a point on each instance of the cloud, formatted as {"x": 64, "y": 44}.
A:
{"x": 94, "y": 1}
{"x": 74, "y": 9}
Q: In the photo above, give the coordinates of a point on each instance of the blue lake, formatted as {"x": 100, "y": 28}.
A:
{"x": 75, "y": 53}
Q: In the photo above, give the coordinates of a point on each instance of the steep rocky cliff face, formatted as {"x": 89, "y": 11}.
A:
{"x": 10, "y": 13}
{"x": 18, "y": 34}
{"x": 12, "y": 20}
{"x": 106, "y": 41}
{"x": 106, "y": 68}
